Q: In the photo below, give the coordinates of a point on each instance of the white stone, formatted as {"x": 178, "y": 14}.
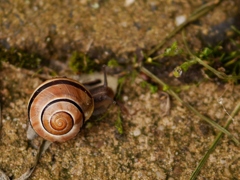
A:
{"x": 128, "y": 2}
{"x": 136, "y": 132}
{"x": 180, "y": 19}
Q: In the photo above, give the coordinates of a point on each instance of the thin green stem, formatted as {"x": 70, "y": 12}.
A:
{"x": 220, "y": 75}
{"x": 172, "y": 93}
{"x": 194, "y": 16}
{"x": 214, "y": 144}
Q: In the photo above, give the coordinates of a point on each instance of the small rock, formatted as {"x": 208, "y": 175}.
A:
{"x": 180, "y": 19}
{"x": 128, "y": 2}
{"x": 161, "y": 174}
{"x": 136, "y": 132}
{"x": 125, "y": 98}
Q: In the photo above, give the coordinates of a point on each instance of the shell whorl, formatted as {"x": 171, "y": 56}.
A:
{"x": 58, "y": 108}
{"x": 60, "y": 123}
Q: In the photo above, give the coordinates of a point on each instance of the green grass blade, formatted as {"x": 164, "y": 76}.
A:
{"x": 214, "y": 144}
{"x": 172, "y": 93}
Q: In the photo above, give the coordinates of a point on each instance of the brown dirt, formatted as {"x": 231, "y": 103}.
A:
{"x": 152, "y": 146}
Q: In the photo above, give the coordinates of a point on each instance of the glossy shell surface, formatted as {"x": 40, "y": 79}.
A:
{"x": 58, "y": 108}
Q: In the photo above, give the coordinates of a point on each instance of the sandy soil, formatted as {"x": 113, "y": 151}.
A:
{"x": 152, "y": 146}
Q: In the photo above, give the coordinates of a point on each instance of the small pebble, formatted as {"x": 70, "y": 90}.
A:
{"x": 24, "y": 126}
{"x": 180, "y": 19}
{"x": 161, "y": 174}
{"x": 125, "y": 98}
{"x": 95, "y": 5}
{"x": 136, "y": 132}
{"x": 161, "y": 128}
{"x": 128, "y": 2}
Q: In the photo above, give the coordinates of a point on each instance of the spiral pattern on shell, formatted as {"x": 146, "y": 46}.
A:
{"x": 58, "y": 108}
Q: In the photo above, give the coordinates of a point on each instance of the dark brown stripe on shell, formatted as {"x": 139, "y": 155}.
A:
{"x": 63, "y": 100}
{"x": 52, "y": 83}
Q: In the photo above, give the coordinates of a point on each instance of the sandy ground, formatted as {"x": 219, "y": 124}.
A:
{"x": 152, "y": 146}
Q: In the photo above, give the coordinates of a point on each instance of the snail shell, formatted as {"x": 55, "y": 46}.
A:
{"x": 58, "y": 108}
